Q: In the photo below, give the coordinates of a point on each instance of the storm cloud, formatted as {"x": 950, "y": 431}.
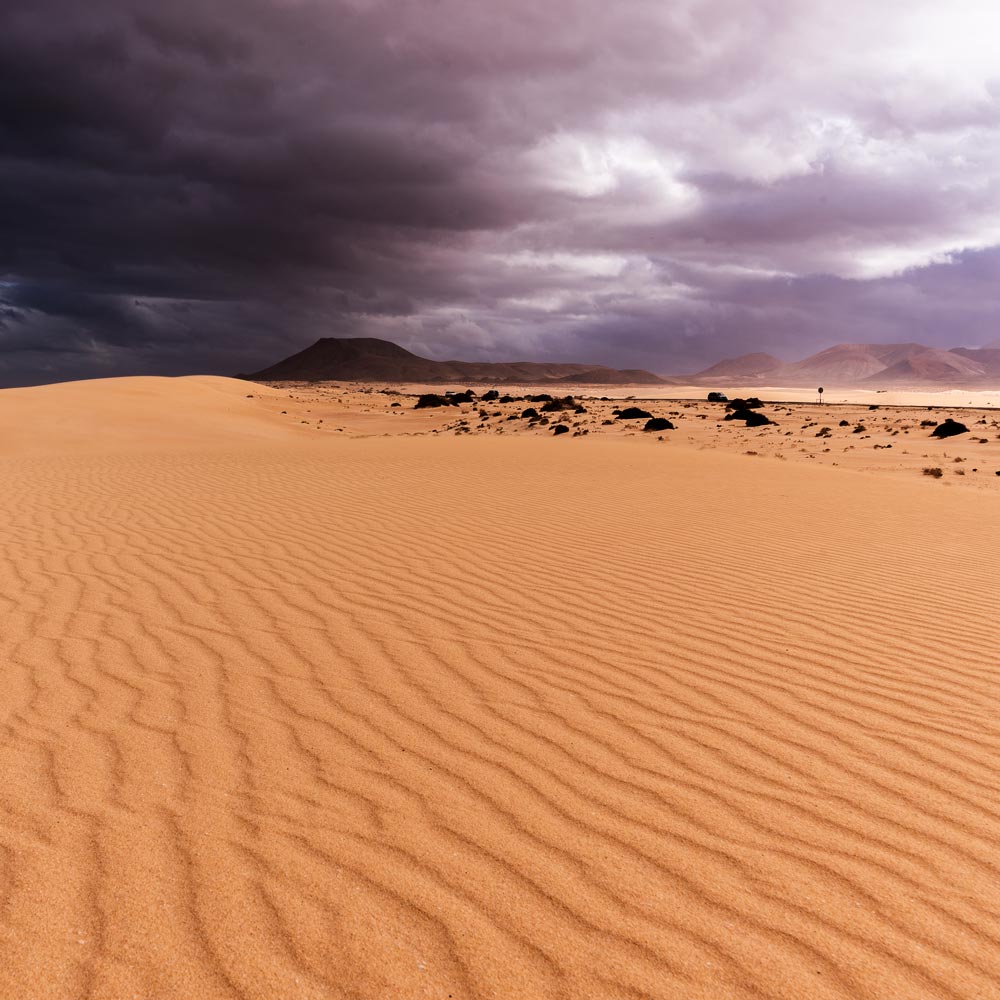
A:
{"x": 193, "y": 187}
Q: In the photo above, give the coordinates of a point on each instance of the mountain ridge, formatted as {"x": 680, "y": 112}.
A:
{"x": 367, "y": 359}
{"x": 866, "y": 365}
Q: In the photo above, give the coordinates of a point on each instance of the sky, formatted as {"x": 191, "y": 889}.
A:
{"x": 192, "y": 187}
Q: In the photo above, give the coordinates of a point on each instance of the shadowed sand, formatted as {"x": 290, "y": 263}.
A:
{"x": 290, "y": 714}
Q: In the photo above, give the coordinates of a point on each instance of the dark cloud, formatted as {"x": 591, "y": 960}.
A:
{"x": 206, "y": 187}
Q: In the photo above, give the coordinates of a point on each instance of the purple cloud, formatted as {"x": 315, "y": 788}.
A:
{"x": 199, "y": 187}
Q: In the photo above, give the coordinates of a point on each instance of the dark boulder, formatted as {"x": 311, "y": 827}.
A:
{"x": 634, "y": 413}
{"x": 430, "y": 399}
{"x": 949, "y": 428}
{"x": 560, "y": 429}
{"x": 753, "y": 403}
{"x": 529, "y": 413}
{"x": 555, "y": 405}
{"x": 658, "y": 424}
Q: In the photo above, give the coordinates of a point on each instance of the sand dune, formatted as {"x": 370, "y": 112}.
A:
{"x": 291, "y": 714}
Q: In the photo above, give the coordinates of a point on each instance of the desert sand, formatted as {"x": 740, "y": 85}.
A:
{"x": 310, "y": 696}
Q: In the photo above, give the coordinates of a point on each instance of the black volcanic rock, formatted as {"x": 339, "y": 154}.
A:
{"x": 555, "y": 405}
{"x": 371, "y": 360}
{"x": 431, "y": 399}
{"x": 658, "y": 424}
{"x": 752, "y": 418}
{"x": 949, "y": 428}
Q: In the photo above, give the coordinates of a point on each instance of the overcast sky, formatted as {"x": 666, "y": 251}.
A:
{"x": 207, "y": 187}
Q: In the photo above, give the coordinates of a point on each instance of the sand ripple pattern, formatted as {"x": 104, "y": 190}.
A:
{"x": 420, "y": 718}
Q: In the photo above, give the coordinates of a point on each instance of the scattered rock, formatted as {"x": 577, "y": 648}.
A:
{"x": 752, "y": 418}
{"x": 560, "y": 429}
{"x": 431, "y": 399}
{"x": 949, "y": 428}
{"x": 634, "y": 413}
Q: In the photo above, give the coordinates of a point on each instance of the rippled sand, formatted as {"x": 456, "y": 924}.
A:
{"x": 289, "y": 714}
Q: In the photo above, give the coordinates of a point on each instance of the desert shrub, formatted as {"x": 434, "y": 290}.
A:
{"x": 560, "y": 429}
{"x": 634, "y": 413}
{"x": 935, "y": 472}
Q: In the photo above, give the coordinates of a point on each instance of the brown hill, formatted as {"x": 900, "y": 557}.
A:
{"x": 369, "y": 360}
{"x": 865, "y": 364}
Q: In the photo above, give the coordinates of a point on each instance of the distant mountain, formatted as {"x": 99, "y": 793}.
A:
{"x": 745, "y": 366}
{"x": 365, "y": 359}
{"x": 850, "y": 362}
{"x": 865, "y": 365}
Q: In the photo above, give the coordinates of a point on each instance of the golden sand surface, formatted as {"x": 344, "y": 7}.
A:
{"x": 392, "y": 706}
